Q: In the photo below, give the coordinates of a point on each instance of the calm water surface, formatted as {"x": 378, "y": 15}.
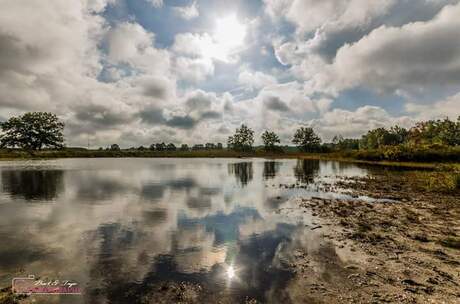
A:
{"x": 120, "y": 226}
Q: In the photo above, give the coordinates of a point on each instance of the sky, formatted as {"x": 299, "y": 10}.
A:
{"x": 137, "y": 72}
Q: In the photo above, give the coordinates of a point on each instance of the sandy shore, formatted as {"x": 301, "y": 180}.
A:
{"x": 406, "y": 251}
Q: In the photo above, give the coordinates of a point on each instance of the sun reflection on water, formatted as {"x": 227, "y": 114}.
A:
{"x": 230, "y": 272}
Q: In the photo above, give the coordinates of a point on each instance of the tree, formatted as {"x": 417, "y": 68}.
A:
{"x": 33, "y": 131}
{"x": 152, "y": 147}
{"x": 399, "y": 135}
{"x": 242, "y": 140}
{"x": 340, "y": 143}
{"x": 115, "y": 147}
{"x": 444, "y": 132}
{"x": 270, "y": 139}
{"x": 160, "y": 147}
{"x": 210, "y": 146}
{"x": 377, "y": 138}
{"x": 198, "y": 147}
{"x": 171, "y": 147}
{"x": 184, "y": 147}
{"x": 306, "y": 139}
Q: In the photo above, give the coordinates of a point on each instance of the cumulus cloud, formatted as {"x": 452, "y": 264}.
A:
{"x": 115, "y": 80}
{"x": 194, "y": 69}
{"x": 355, "y": 123}
{"x": 309, "y": 15}
{"x": 449, "y": 107}
{"x": 255, "y": 80}
{"x": 192, "y": 44}
{"x": 131, "y": 44}
{"x": 156, "y": 116}
{"x": 153, "y": 86}
{"x": 34, "y": 75}
{"x": 187, "y": 12}
{"x": 416, "y": 55}
{"x": 156, "y": 3}
{"x": 276, "y": 104}
{"x": 197, "y": 106}
{"x": 56, "y": 69}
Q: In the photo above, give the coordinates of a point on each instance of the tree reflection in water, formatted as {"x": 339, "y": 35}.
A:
{"x": 243, "y": 172}
{"x": 33, "y": 184}
{"x": 306, "y": 170}
{"x": 271, "y": 168}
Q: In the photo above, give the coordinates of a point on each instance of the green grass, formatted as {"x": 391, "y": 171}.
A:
{"x": 409, "y": 154}
{"x": 435, "y": 181}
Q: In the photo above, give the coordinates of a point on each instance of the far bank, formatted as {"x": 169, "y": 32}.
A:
{"x": 420, "y": 159}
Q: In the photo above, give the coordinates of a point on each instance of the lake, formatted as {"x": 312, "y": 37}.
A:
{"x": 121, "y": 227}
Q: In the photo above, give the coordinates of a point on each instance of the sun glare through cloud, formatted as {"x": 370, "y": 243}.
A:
{"x": 228, "y": 36}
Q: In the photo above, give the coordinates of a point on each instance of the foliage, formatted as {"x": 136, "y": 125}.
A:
{"x": 33, "y": 131}
{"x": 410, "y": 153}
{"x": 445, "y": 132}
{"x": 115, "y": 147}
{"x": 160, "y": 146}
{"x": 432, "y": 132}
{"x": 242, "y": 140}
{"x": 306, "y": 139}
{"x": 340, "y": 143}
{"x": 382, "y": 137}
{"x": 436, "y": 181}
{"x": 270, "y": 139}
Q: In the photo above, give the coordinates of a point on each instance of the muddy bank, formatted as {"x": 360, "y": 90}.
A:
{"x": 406, "y": 251}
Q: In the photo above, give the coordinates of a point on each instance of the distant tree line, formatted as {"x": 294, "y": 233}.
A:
{"x": 38, "y": 130}
{"x": 432, "y": 132}
{"x": 425, "y": 133}
{"x": 162, "y": 147}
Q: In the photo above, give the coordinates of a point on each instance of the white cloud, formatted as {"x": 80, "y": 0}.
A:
{"x": 449, "y": 107}
{"x": 98, "y": 6}
{"x": 255, "y": 80}
{"x": 156, "y": 3}
{"x": 194, "y": 69}
{"x": 58, "y": 69}
{"x": 416, "y": 55}
{"x": 356, "y": 123}
{"x": 130, "y": 43}
{"x": 309, "y": 15}
{"x": 217, "y": 46}
{"x": 187, "y": 12}
{"x": 192, "y": 44}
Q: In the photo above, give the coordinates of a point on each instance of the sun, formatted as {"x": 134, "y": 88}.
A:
{"x": 229, "y": 31}
{"x": 228, "y": 37}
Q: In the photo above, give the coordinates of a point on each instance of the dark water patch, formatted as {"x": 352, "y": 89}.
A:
{"x": 33, "y": 185}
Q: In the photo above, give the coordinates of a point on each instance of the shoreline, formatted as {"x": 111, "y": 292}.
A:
{"x": 403, "y": 252}
{"x": 48, "y": 155}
